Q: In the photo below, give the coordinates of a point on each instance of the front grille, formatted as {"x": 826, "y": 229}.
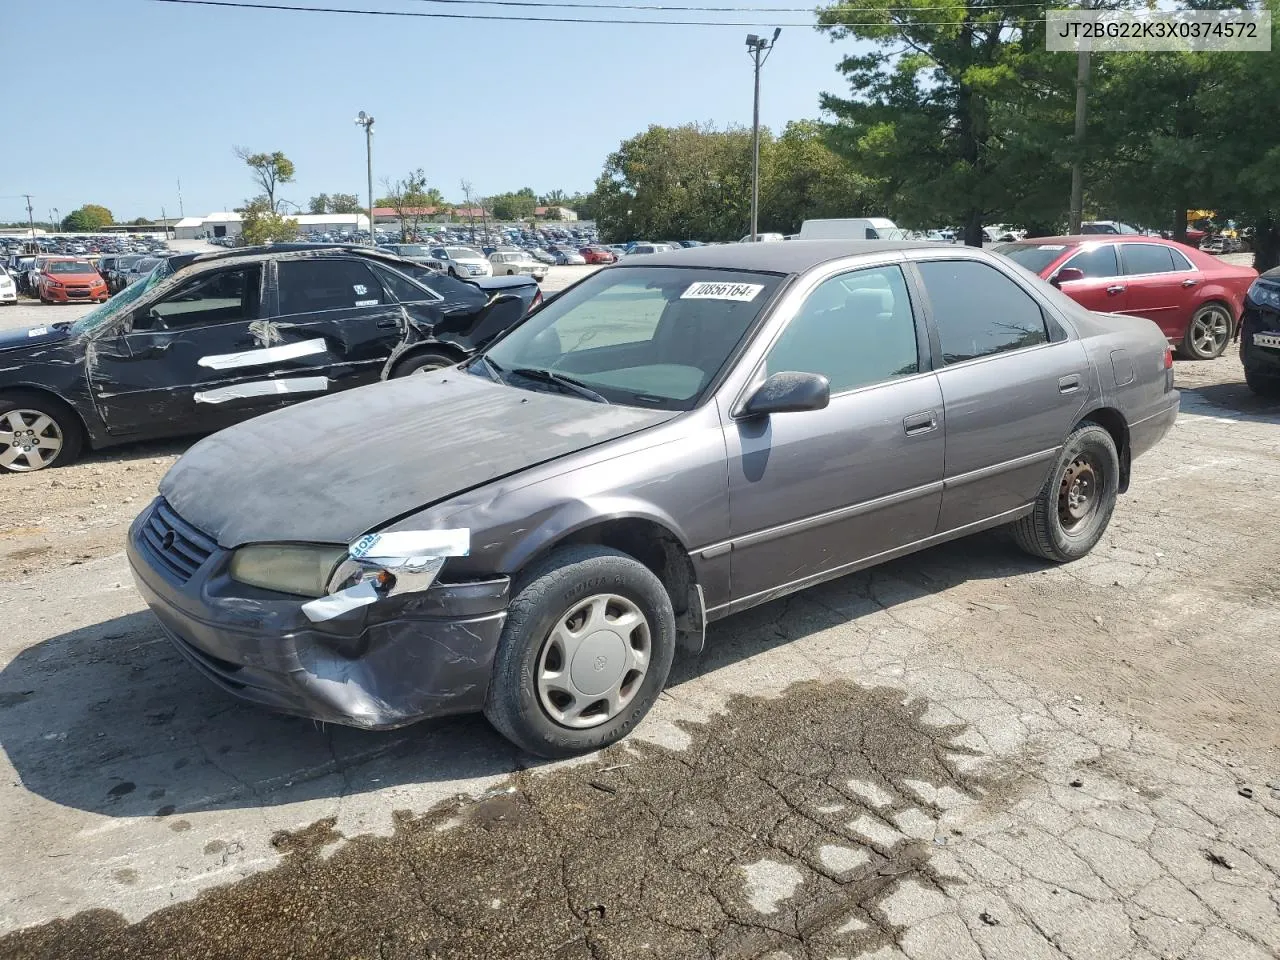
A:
{"x": 77, "y": 291}
{"x": 179, "y": 549}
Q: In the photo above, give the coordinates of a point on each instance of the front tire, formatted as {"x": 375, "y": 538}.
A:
{"x": 586, "y": 649}
{"x": 36, "y": 432}
{"x": 1208, "y": 333}
{"x": 422, "y": 362}
{"x": 1075, "y": 505}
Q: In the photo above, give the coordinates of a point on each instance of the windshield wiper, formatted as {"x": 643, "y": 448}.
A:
{"x": 560, "y": 380}
{"x": 491, "y": 368}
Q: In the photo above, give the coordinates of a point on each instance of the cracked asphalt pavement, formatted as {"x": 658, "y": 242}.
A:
{"x": 962, "y": 754}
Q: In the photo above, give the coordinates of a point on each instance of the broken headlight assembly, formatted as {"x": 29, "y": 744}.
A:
{"x": 305, "y": 570}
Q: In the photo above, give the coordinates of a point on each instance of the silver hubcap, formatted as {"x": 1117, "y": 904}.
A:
{"x": 1210, "y": 330}
{"x": 593, "y": 662}
{"x": 29, "y": 440}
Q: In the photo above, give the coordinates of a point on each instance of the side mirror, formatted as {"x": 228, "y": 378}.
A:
{"x": 789, "y": 392}
{"x": 1067, "y": 275}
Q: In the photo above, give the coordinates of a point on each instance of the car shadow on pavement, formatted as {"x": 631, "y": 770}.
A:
{"x": 1233, "y": 400}
{"x": 110, "y": 719}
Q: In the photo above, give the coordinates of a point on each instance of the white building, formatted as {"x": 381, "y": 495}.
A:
{"x": 227, "y": 224}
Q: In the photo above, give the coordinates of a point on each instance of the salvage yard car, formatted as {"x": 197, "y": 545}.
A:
{"x": 70, "y": 281}
{"x": 1260, "y": 335}
{"x": 208, "y": 340}
{"x": 1195, "y": 298}
{"x": 669, "y": 441}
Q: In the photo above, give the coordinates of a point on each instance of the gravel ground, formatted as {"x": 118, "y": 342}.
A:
{"x": 962, "y": 754}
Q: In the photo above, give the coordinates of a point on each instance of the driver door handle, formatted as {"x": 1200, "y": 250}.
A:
{"x": 1190, "y": 282}
{"x": 919, "y": 423}
{"x": 155, "y": 350}
{"x": 1114, "y": 289}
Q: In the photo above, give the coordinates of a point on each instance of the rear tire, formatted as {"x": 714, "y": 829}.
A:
{"x": 422, "y": 362}
{"x": 1208, "y": 333}
{"x": 57, "y": 443}
{"x": 1075, "y": 505}
{"x": 549, "y": 598}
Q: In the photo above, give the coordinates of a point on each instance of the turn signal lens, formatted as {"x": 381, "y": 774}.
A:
{"x": 1168, "y": 358}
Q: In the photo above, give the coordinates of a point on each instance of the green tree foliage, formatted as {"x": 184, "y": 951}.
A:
{"x": 344, "y": 203}
{"x": 411, "y": 198}
{"x": 269, "y": 170}
{"x": 553, "y": 198}
{"x": 87, "y": 219}
{"x": 960, "y": 114}
{"x": 805, "y": 179}
{"x": 514, "y": 206}
{"x": 318, "y": 204}
{"x": 262, "y": 224}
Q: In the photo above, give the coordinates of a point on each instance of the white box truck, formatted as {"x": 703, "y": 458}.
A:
{"x": 850, "y": 228}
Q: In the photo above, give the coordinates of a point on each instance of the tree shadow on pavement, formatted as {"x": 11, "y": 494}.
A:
{"x": 110, "y": 719}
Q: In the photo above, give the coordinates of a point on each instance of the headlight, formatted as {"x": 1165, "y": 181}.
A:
{"x": 302, "y": 569}
{"x": 1265, "y": 294}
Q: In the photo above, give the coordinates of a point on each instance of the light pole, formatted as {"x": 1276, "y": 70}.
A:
{"x": 366, "y": 121}
{"x": 756, "y": 46}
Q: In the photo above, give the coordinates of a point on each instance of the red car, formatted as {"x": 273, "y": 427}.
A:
{"x": 598, "y": 255}
{"x": 1195, "y": 298}
{"x": 70, "y": 281}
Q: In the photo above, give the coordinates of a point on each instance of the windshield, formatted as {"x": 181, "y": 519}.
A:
{"x": 1034, "y": 256}
{"x": 112, "y": 308}
{"x": 462, "y": 253}
{"x": 641, "y": 336}
{"x": 69, "y": 266}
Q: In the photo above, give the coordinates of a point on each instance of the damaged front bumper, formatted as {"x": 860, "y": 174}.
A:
{"x": 382, "y": 665}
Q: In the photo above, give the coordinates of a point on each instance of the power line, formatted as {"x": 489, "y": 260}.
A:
{"x": 605, "y": 20}
{"x": 687, "y": 9}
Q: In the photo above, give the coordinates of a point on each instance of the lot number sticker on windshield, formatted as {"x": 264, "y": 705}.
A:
{"x": 708, "y": 290}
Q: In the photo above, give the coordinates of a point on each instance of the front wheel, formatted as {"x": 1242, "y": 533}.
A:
{"x": 36, "y": 432}
{"x": 1208, "y": 333}
{"x": 1075, "y": 505}
{"x": 585, "y": 651}
{"x": 422, "y": 362}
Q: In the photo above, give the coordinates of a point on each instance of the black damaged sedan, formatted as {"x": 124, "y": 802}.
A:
{"x": 207, "y": 340}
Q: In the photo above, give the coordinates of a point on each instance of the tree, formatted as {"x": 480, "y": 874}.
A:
{"x": 960, "y": 115}
{"x": 269, "y": 170}
{"x": 141, "y": 222}
{"x": 262, "y": 224}
{"x": 87, "y": 219}
{"x": 411, "y": 199}
{"x": 319, "y": 203}
{"x": 553, "y": 198}
{"x": 344, "y": 203}
{"x": 806, "y": 179}
{"x": 514, "y": 206}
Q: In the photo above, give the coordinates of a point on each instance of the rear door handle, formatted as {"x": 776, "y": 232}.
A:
{"x": 389, "y": 322}
{"x": 1113, "y": 290}
{"x": 919, "y": 423}
{"x": 1069, "y": 384}
{"x": 1190, "y": 282}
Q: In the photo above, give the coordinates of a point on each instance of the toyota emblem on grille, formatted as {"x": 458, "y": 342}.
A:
{"x": 167, "y": 541}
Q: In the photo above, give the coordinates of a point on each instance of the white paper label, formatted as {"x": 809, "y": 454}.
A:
{"x": 715, "y": 290}
{"x": 1052, "y": 246}
{"x": 366, "y": 303}
{"x": 37, "y": 331}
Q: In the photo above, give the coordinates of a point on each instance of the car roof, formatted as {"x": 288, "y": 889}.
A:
{"x": 1079, "y": 238}
{"x": 791, "y": 256}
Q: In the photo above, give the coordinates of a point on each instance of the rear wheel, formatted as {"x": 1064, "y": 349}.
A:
{"x": 1075, "y": 505}
{"x": 1208, "y": 333}
{"x": 422, "y": 362}
{"x": 36, "y": 432}
{"x": 585, "y": 651}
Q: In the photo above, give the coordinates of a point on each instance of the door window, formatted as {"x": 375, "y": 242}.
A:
{"x": 402, "y": 289}
{"x": 226, "y": 296}
{"x": 1096, "y": 263}
{"x": 979, "y": 311}
{"x": 312, "y": 286}
{"x": 1147, "y": 258}
{"x": 854, "y": 329}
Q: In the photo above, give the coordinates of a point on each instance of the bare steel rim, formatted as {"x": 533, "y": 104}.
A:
{"x": 1210, "y": 330}
{"x": 593, "y": 661}
{"x": 29, "y": 440}
{"x": 1080, "y": 493}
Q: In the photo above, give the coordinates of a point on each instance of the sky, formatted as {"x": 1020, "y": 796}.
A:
{"x": 161, "y": 93}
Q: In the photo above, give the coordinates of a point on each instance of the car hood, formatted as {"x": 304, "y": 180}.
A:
{"x": 331, "y": 469}
{"x": 33, "y": 337}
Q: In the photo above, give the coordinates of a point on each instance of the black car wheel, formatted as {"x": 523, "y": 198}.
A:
{"x": 585, "y": 651}
{"x": 1208, "y": 333}
{"x": 36, "y": 432}
{"x": 422, "y": 362}
{"x": 1075, "y": 505}
{"x": 1262, "y": 385}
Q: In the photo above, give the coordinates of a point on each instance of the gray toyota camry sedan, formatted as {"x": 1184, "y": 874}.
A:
{"x": 534, "y": 533}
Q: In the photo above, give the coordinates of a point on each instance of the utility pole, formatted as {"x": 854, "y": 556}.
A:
{"x": 164, "y": 219}
{"x": 1076, "y": 214}
{"x": 181, "y": 213}
{"x": 366, "y": 121}
{"x": 756, "y": 47}
{"x": 31, "y": 219}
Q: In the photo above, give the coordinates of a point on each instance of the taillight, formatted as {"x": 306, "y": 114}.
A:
{"x": 537, "y": 299}
{"x": 1168, "y": 358}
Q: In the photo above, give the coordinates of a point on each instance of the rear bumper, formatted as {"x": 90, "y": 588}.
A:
{"x": 1147, "y": 432}
{"x": 384, "y": 666}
